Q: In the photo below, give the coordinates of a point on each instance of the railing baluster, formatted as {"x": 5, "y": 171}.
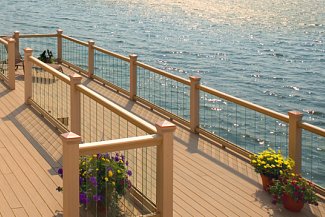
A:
{"x": 59, "y": 45}
{"x": 91, "y": 58}
{"x": 11, "y": 63}
{"x": 165, "y": 155}
{"x": 70, "y": 144}
{"x": 133, "y": 76}
{"x": 295, "y": 117}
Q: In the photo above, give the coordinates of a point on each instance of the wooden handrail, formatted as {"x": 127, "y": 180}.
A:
{"x": 75, "y": 40}
{"x": 117, "y": 109}
{"x": 164, "y": 73}
{"x": 246, "y": 104}
{"x": 124, "y": 58}
{"x": 311, "y": 128}
{"x": 120, "y": 144}
{"x": 51, "y": 70}
{"x": 37, "y": 35}
{"x": 3, "y": 41}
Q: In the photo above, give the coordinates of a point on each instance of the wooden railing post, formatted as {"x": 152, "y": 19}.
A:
{"x": 295, "y": 139}
{"x": 133, "y": 76}
{"x": 194, "y": 103}
{"x": 91, "y": 58}
{"x": 75, "y": 108}
{"x": 164, "y": 187}
{"x": 16, "y": 37}
{"x": 28, "y": 65}
{"x": 11, "y": 63}
{"x": 59, "y": 44}
{"x": 70, "y": 144}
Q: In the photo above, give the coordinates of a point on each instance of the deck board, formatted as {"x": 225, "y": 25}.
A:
{"x": 208, "y": 180}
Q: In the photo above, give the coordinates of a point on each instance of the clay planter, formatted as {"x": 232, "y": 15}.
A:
{"x": 290, "y": 204}
{"x": 266, "y": 181}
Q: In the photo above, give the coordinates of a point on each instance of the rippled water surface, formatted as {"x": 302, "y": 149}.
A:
{"x": 269, "y": 52}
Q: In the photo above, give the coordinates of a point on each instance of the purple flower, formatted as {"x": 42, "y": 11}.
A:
{"x": 83, "y": 198}
{"x": 129, "y": 172}
{"x": 123, "y": 157}
{"x": 93, "y": 180}
{"x": 117, "y": 158}
{"x": 97, "y": 198}
{"x": 60, "y": 172}
{"x": 127, "y": 163}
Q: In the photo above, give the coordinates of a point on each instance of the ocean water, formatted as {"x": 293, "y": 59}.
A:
{"x": 271, "y": 53}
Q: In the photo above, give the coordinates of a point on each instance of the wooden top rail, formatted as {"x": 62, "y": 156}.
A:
{"x": 75, "y": 40}
{"x": 311, "y": 128}
{"x": 164, "y": 73}
{"x": 120, "y": 144}
{"x": 117, "y": 109}
{"x": 3, "y": 41}
{"x": 37, "y": 35}
{"x": 244, "y": 103}
{"x": 51, "y": 70}
{"x": 124, "y": 58}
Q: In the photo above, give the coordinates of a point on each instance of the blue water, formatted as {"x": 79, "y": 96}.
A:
{"x": 271, "y": 53}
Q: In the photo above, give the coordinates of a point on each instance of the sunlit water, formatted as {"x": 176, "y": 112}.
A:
{"x": 271, "y": 53}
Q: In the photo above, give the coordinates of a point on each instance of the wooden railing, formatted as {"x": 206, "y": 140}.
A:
{"x": 160, "y": 136}
{"x": 139, "y": 75}
{"x": 7, "y": 61}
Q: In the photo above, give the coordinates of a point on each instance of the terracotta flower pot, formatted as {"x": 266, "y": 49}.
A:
{"x": 290, "y": 204}
{"x": 266, "y": 181}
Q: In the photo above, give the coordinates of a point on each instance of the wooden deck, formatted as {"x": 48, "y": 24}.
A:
{"x": 208, "y": 180}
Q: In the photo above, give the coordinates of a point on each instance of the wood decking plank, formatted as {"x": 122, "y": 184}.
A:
{"x": 8, "y": 193}
{"x": 20, "y": 212}
{"x": 5, "y": 209}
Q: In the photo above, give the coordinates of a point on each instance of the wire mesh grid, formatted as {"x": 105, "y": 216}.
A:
{"x": 99, "y": 123}
{"x": 313, "y": 157}
{"x": 247, "y": 128}
{"x": 39, "y": 45}
{"x": 164, "y": 92}
{"x": 75, "y": 54}
{"x": 117, "y": 184}
{"x": 112, "y": 69}
{"x": 51, "y": 94}
{"x": 3, "y": 60}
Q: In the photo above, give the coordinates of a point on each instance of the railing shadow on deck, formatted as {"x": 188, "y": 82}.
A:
{"x": 30, "y": 130}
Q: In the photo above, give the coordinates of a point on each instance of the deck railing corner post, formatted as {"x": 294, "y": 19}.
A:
{"x": 28, "y": 66}
{"x": 133, "y": 76}
{"x": 16, "y": 37}
{"x": 91, "y": 58}
{"x": 11, "y": 63}
{"x": 59, "y": 44}
{"x": 70, "y": 142}
{"x": 295, "y": 139}
{"x": 164, "y": 186}
{"x": 194, "y": 103}
{"x": 75, "y": 107}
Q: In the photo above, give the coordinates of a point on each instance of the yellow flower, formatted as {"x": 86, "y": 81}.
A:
{"x": 118, "y": 171}
{"x": 113, "y": 183}
{"x": 253, "y": 161}
{"x": 281, "y": 172}
{"x": 97, "y": 169}
{"x": 95, "y": 155}
{"x": 106, "y": 179}
{"x": 110, "y": 173}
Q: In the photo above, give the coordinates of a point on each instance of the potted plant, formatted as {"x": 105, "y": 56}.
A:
{"x": 46, "y": 56}
{"x": 293, "y": 191}
{"x": 270, "y": 165}
{"x": 104, "y": 179}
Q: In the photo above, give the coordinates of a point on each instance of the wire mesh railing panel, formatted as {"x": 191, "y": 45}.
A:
{"x": 51, "y": 94}
{"x": 116, "y": 184}
{"x": 112, "y": 69}
{"x": 164, "y": 92}
{"x": 3, "y": 60}
{"x": 247, "y": 128}
{"x": 39, "y": 45}
{"x": 75, "y": 53}
{"x": 100, "y": 124}
{"x": 313, "y": 157}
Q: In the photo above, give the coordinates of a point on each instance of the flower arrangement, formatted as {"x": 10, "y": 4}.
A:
{"x": 104, "y": 179}
{"x": 271, "y": 163}
{"x": 294, "y": 186}
{"x": 46, "y": 56}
